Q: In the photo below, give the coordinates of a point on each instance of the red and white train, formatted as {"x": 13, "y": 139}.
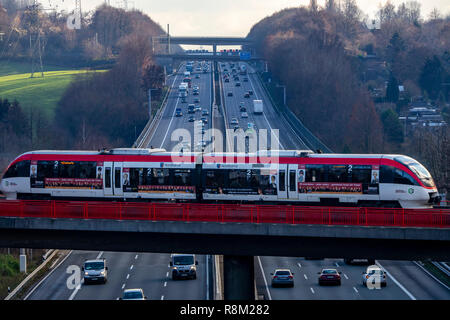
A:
{"x": 300, "y": 177}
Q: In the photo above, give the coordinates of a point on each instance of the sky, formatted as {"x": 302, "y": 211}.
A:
{"x": 224, "y": 17}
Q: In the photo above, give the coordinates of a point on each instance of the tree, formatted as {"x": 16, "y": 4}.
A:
{"x": 392, "y": 91}
{"x": 431, "y": 77}
{"x": 152, "y": 77}
{"x": 392, "y": 126}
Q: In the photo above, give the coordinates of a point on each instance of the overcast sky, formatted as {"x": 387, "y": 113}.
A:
{"x": 224, "y": 17}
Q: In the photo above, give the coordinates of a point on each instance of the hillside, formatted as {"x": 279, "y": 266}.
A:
{"x": 37, "y": 93}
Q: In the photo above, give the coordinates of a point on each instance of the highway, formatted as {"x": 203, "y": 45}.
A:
{"x": 149, "y": 271}
{"x": 406, "y": 280}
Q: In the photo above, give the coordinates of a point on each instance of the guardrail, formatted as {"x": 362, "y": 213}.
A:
{"x": 243, "y": 213}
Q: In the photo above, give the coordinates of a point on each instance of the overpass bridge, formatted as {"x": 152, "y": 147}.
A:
{"x": 239, "y": 232}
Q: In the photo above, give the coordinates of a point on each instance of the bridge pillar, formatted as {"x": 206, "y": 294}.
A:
{"x": 239, "y": 277}
{"x": 214, "y": 49}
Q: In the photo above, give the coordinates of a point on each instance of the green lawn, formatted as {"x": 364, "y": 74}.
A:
{"x": 37, "y": 93}
{"x": 11, "y": 67}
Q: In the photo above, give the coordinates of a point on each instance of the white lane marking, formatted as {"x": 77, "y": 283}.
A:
{"x": 162, "y": 297}
{"x": 299, "y": 265}
{"x": 345, "y": 276}
{"x": 167, "y": 274}
{"x": 165, "y": 284}
{"x": 128, "y": 276}
{"x": 74, "y": 293}
{"x": 306, "y": 278}
{"x": 265, "y": 280}
{"x": 337, "y": 265}
{"x": 117, "y": 298}
{"x": 426, "y": 271}
{"x": 168, "y": 265}
{"x": 131, "y": 268}
{"x": 396, "y": 282}
{"x": 99, "y": 255}
{"x": 356, "y": 290}
{"x": 48, "y": 275}
{"x": 170, "y": 123}
{"x": 123, "y": 286}
{"x": 312, "y": 290}
{"x": 135, "y": 258}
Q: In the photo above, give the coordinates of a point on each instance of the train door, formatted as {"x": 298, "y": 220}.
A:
{"x": 118, "y": 179}
{"x": 282, "y": 178}
{"x": 107, "y": 179}
{"x": 292, "y": 181}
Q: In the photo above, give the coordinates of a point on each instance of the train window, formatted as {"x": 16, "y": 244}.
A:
{"x": 47, "y": 169}
{"x": 19, "y": 169}
{"x": 315, "y": 173}
{"x": 182, "y": 177}
{"x": 238, "y": 179}
{"x": 282, "y": 180}
{"x": 86, "y": 169}
{"x": 292, "y": 181}
{"x": 161, "y": 177}
{"x": 117, "y": 177}
{"x": 361, "y": 174}
{"x": 337, "y": 173}
{"x": 390, "y": 174}
{"x": 107, "y": 177}
{"x": 67, "y": 169}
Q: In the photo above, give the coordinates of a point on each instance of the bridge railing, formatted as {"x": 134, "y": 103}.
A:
{"x": 243, "y": 213}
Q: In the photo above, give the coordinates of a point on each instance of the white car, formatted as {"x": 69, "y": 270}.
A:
{"x": 244, "y": 115}
{"x": 374, "y": 277}
{"x": 133, "y": 294}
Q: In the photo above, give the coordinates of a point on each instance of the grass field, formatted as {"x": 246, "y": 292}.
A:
{"x": 37, "y": 93}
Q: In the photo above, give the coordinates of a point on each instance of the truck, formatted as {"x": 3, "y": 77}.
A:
{"x": 183, "y": 266}
{"x": 183, "y": 89}
{"x": 258, "y": 106}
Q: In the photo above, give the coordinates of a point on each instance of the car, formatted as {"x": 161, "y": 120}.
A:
{"x": 374, "y": 276}
{"x": 191, "y": 119}
{"x": 205, "y": 112}
{"x": 196, "y": 100}
{"x": 234, "y": 121}
{"x": 329, "y": 276}
{"x": 250, "y": 125}
{"x": 95, "y": 271}
{"x": 227, "y": 80}
{"x": 230, "y": 94}
{"x": 238, "y": 84}
{"x": 244, "y": 115}
{"x": 196, "y": 88}
{"x": 246, "y": 95}
{"x": 191, "y": 108}
{"x": 197, "y": 108}
{"x": 178, "y": 112}
{"x": 183, "y": 266}
{"x": 204, "y": 119}
{"x": 250, "y": 92}
{"x": 236, "y": 78}
{"x": 133, "y": 294}
{"x": 245, "y": 79}
{"x": 282, "y": 277}
{"x": 197, "y": 76}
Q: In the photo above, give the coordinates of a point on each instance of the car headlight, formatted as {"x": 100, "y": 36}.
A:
{"x": 102, "y": 273}
{"x": 86, "y": 274}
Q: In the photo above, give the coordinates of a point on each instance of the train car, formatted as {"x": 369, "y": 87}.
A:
{"x": 291, "y": 177}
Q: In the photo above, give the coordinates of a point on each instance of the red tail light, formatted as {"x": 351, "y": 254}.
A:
{"x": 291, "y": 277}
{"x": 275, "y": 277}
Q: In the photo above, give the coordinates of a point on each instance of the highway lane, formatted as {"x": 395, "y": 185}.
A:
{"x": 149, "y": 271}
{"x": 405, "y": 280}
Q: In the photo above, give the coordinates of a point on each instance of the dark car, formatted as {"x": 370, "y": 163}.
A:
{"x": 197, "y": 100}
{"x": 246, "y": 95}
{"x": 282, "y": 277}
{"x": 238, "y": 84}
{"x": 227, "y": 80}
{"x": 191, "y": 119}
{"x": 329, "y": 276}
{"x": 230, "y": 94}
{"x": 250, "y": 92}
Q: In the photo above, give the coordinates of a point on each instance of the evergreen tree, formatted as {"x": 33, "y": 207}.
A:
{"x": 392, "y": 92}
{"x": 392, "y": 126}
{"x": 430, "y": 79}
